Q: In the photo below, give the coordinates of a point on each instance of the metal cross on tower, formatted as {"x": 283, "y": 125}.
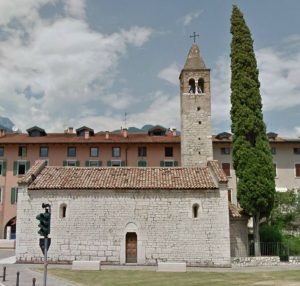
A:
{"x": 194, "y": 36}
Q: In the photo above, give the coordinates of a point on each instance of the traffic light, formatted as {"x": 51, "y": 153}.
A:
{"x": 44, "y": 225}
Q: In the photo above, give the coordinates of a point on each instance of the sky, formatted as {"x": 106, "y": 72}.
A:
{"x": 88, "y": 62}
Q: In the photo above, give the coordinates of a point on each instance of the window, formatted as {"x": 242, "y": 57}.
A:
{"x": 116, "y": 163}
{"x": 200, "y": 85}
{"x": 297, "y": 151}
{"x": 297, "y": 167}
{"x": 142, "y": 163}
{"x": 226, "y": 169}
{"x": 168, "y": 163}
{"x": 229, "y": 195}
{"x": 273, "y": 150}
{"x": 2, "y": 168}
{"x": 43, "y": 151}
{"x": 21, "y": 167}
{"x": 94, "y": 151}
{"x": 71, "y": 163}
{"x": 192, "y": 86}
{"x": 116, "y": 151}
{"x": 225, "y": 151}
{"x": 71, "y": 151}
{"x": 22, "y": 151}
{"x": 93, "y": 163}
{"x": 142, "y": 151}
{"x": 168, "y": 151}
{"x": 14, "y": 196}
{"x": 1, "y": 151}
{"x": 195, "y": 210}
{"x": 63, "y": 211}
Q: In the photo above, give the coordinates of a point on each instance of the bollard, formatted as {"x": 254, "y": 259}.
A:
{"x": 33, "y": 281}
{"x": 18, "y": 278}
{"x": 4, "y": 274}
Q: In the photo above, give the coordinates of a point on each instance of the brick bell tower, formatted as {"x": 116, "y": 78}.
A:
{"x": 195, "y": 102}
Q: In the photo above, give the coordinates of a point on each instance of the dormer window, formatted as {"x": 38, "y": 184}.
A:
{"x": 157, "y": 131}
{"x": 223, "y": 135}
{"x": 36, "y": 131}
{"x": 85, "y": 132}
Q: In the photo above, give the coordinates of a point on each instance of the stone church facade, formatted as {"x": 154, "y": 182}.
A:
{"x": 139, "y": 215}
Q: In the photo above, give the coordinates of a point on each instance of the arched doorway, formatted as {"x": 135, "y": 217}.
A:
{"x": 131, "y": 247}
{"x": 10, "y": 229}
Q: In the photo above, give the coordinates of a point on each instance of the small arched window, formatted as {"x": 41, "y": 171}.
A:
{"x": 200, "y": 85}
{"x": 195, "y": 210}
{"x": 63, "y": 211}
{"x": 192, "y": 86}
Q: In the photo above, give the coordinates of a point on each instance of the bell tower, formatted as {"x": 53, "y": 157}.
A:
{"x": 195, "y": 103}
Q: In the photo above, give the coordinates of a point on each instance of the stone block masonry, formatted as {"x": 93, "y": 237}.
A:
{"x": 97, "y": 221}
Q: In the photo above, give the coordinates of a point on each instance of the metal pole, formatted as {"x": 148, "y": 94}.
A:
{"x": 18, "y": 278}
{"x": 4, "y": 273}
{"x": 45, "y": 261}
{"x": 33, "y": 281}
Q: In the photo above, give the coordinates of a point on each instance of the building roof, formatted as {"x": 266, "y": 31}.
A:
{"x": 194, "y": 60}
{"x": 100, "y": 137}
{"x": 236, "y": 212}
{"x": 42, "y": 177}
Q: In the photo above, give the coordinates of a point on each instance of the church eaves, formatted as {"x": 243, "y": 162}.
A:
{"x": 194, "y": 60}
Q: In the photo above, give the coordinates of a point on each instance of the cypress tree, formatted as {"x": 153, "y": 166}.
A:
{"x": 252, "y": 158}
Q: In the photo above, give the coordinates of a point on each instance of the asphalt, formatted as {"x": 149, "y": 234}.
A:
{"x": 30, "y": 271}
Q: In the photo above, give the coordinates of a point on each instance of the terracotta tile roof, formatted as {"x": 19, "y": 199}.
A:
{"x": 221, "y": 176}
{"x": 236, "y": 212}
{"x": 119, "y": 178}
{"x": 33, "y": 172}
{"x": 98, "y": 138}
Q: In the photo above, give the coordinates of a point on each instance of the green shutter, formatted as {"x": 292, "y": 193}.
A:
{"x": 123, "y": 163}
{"x": 77, "y": 163}
{"x": 99, "y": 163}
{"x": 175, "y": 163}
{"x": 16, "y": 168}
{"x": 109, "y": 163}
{"x": 87, "y": 163}
{"x": 162, "y": 163}
{"x": 27, "y": 165}
{"x": 3, "y": 168}
{"x": 13, "y": 195}
{"x": 142, "y": 163}
{"x": 64, "y": 163}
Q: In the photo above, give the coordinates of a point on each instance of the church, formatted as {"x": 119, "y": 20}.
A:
{"x": 140, "y": 215}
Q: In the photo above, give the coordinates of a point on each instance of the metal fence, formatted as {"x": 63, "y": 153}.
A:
{"x": 280, "y": 249}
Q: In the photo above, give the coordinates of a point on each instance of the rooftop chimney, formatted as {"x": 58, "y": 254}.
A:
{"x": 2, "y": 132}
{"x": 125, "y": 132}
{"x": 173, "y": 131}
{"x": 69, "y": 130}
{"x": 106, "y": 135}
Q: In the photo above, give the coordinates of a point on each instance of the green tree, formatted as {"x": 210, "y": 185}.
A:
{"x": 252, "y": 157}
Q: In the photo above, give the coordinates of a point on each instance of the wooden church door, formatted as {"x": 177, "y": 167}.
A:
{"x": 131, "y": 247}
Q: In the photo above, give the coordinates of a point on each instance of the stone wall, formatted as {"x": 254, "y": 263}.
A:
{"x": 97, "y": 221}
{"x": 294, "y": 259}
{"x": 239, "y": 237}
{"x": 255, "y": 261}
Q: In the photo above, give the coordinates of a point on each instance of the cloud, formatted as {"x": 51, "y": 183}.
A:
{"x": 170, "y": 73}
{"x": 190, "y": 17}
{"x": 62, "y": 73}
{"x": 279, "y": 69}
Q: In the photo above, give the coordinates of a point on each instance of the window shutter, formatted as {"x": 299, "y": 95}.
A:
{"x": 99, "y": 163}
{"x": 175, "y": 163}
{"x": 13, "y": 196}
{"x": 77, "y": 163}
{"x": 109, "y": 163}
{"x": 27, "y": 165}
{"x": 87, "y": 163}
{"x": 123, "y": 163}
{"x": 15, "y": 168}
{"x": 64, "y": 163}
{"x": 4, "y": 168}
{"x": 162, "y": 163}
{"x": 140, "y": 163}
